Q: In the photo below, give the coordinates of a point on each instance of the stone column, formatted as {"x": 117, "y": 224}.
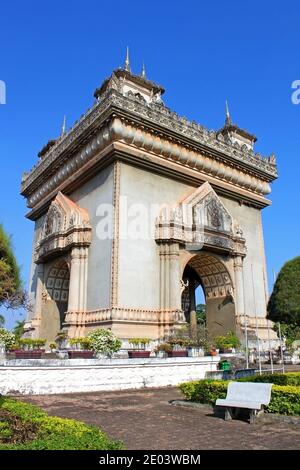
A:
{"x": 34, "y": 321}
{"x": 174, "y": 278}
{"x": 162, "y": 269}
{"x": 78, "y": 280}
{"x": 239, "y": 285}
{"x": 39, "y": 289}
{"x": 167, "y": 277}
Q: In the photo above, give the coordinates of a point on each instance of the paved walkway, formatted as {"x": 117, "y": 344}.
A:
{"x": 143, "y": 419}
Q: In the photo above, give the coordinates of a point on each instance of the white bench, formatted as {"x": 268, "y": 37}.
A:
{"x": 249, "y": 395}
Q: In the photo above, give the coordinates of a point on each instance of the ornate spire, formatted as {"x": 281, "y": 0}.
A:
{"x": 143, "y": 74}
{"x": 63, "y": 127}
{"x": 127, "y": 64}
{"x": 228, "y": 117}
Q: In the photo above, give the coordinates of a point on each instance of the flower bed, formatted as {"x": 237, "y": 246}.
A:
{"x": 27, "y": 427}
{"x": 284, "y": 399}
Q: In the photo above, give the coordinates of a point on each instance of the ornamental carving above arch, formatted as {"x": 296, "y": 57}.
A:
{"x": 201, "y": 220}
{"x": 66, "y": 225}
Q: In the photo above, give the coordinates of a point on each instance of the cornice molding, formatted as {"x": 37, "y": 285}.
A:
{"x": 173, "y": 128}
{"x": 118, "y": 131}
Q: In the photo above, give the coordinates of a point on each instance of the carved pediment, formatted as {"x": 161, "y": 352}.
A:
{"x": 202, "y": 219}
{"x": 66, "y": 225}
{"x": 207, "y": 210}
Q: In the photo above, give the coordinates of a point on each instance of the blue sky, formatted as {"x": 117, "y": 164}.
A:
{"x": 54, "y": 54}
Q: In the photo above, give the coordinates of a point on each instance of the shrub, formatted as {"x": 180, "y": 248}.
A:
{"x": 284, "y": 399}
{"x": 204, "y": 391}
{"x": 290, "y": 378}
{"x": 30, "y": 343}
{"x": 166, "y": 347}
{"x": 104, "y": 341}
{"x": 228, "y": 341}
{"x": 139, "y": 342}
{"x": 7, "y": 338}
{"x": 83, "y": 343}
{"x": 53, "y": 433}
{"x": 191, "y": 336}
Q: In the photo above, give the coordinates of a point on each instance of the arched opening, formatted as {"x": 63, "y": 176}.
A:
{"x": 55, "y": 299}
{"x": 207, "y": 281}
{"x": 57, "y": 286}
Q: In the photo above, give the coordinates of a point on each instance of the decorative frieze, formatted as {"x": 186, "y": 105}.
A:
{"x": 119, "y": 130}
{"x": 200, "y": 220}
{"x": 217, "y": 154}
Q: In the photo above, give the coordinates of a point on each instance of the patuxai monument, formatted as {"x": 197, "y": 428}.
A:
{"x": 135, "y": 207}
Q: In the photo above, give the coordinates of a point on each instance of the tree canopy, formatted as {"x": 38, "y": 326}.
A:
{"x": 11, "y": 293}
{"x": 284, "y": 303}
{"x": 201, "y": 314}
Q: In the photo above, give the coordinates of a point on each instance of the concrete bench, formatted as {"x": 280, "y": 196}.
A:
{"x": 248, "y": 395}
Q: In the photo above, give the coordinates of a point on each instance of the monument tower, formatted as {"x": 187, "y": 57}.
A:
{"x": 134, "y": 207}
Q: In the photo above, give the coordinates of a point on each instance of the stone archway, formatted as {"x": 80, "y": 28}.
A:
{"x": 207, "y": 270}
{"x": 198, "y": 233}
{"x": 55, "y": 299}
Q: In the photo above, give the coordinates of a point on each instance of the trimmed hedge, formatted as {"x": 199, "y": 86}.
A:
{"x": 55, "y": 433}
{"x": 290, "y": 378}
{"x": 285, "y": 400}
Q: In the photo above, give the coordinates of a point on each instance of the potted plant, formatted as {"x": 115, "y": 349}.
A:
{"x": 227, "y": 343}
{"x": 213, "y": 351}
{"x": 162, "y": 350}
{"x": 139, "y": 348}
{"x": 178, "y": 347}
{"x": 81, "y": 348}
{"x": 103, "y": 342}
{"x": 30, "y": 348}
{"x": 194, "y": 349}
{"x": 199, "y": 341}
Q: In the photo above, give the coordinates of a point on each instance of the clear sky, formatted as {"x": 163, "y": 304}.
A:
{"x": 54, "y": 54}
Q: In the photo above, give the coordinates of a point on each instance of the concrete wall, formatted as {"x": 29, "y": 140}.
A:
{"x": 94, "y": 193}
{"x": 139, "y": 259}
{"x": 249, "y": 219}
{"x": 220, "y": 316}
{"x": 99, "y": 375}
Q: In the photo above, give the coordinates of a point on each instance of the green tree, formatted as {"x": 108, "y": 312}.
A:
{"x": 284, "y": 303}
{"x": 11, "y": 292}
{"x": 2, "y": 321}
{"x": 201, "y": 314}
{"x": 290, "y": 332}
